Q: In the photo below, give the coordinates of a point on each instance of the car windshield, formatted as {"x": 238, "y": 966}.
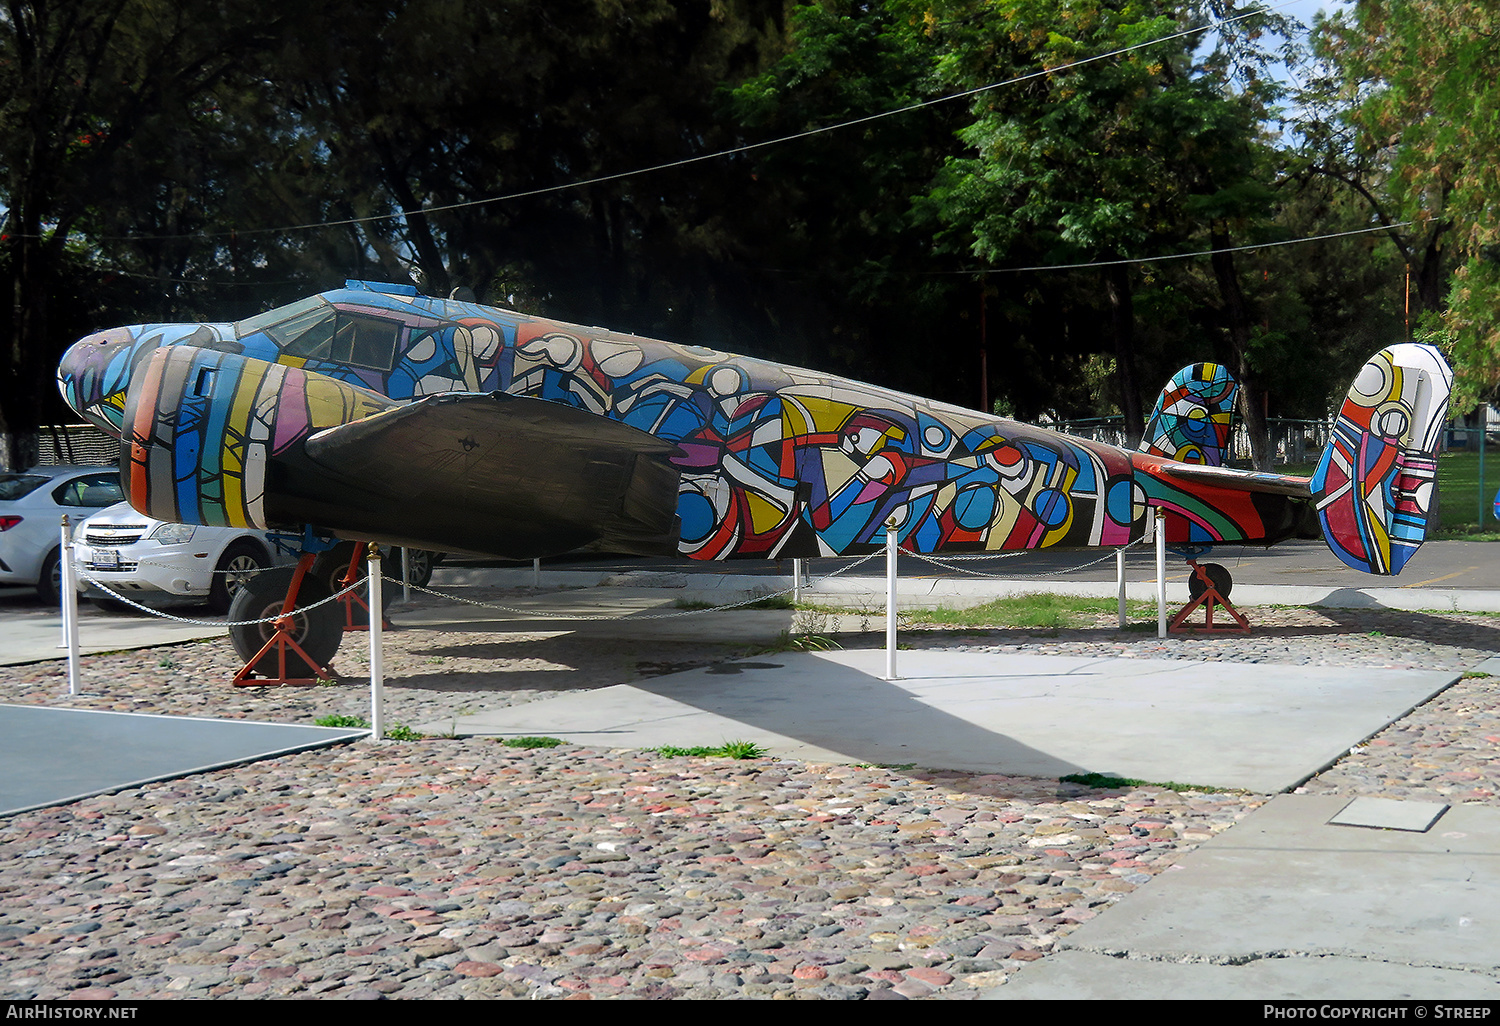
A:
{"x": 13, "y": 486}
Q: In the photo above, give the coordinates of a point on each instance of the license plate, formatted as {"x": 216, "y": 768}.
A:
{"x": 106, "y": 559}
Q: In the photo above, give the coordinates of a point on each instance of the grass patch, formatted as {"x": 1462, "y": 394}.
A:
{"x": 1046, "y": 611}
{"x": 532, "y": 742}
{"x": 395, "y": 732}
{"x": 1106, "y": 780}
{"x": 728, "y": 750}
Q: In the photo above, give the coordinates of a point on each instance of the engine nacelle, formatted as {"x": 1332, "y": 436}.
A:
{"x": 202, "y": 427}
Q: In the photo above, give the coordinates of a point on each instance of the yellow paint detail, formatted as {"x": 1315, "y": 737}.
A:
{"x": 764, "y": 515}
{"x": 827, "y": 414}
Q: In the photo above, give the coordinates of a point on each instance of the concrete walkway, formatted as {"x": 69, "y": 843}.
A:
{"x": 1299, "y": 902}
{"x": 1229, "y": 725}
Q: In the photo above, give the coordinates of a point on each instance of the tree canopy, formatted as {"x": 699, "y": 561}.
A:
{"x": 991, "y": 202}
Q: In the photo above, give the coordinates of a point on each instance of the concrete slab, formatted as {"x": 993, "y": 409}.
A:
{"x": 1389, "y": 814}
{"x": 1287, "y": 888}
{"x": 1082, "y": 976}
{"x": 1257, "y": 727}
{"x": 54, "y": 756}
{"x": 34, "y": 635}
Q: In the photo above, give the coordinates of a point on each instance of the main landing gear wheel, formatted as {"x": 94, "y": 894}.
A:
{"x": 1218, "y": 576}
{"x": 318, "y": 631}
{"x": 240, "y": 562}
{"x": 331, "y": 566}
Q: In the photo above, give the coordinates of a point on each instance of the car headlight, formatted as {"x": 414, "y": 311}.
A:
{"x": 77, "y": 536}
{"x": 173, "y": 534}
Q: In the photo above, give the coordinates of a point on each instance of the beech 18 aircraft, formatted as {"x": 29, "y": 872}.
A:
{"x": 372, "y": 412}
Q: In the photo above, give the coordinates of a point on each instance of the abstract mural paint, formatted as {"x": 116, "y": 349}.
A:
{"x": 771, "y": 460}
{"x": 1373, "y": 486}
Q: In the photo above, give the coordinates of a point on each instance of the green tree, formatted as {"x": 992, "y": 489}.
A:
{"x": 1419, "y": 78}
{"x": 103, "y": 108}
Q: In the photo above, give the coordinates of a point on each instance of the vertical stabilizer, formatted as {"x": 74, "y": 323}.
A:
{"x": 1192, "y": 417}
{"x": 1373, "y": 487}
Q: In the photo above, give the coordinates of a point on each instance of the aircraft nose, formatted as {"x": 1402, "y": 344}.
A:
{"x": 93, "y": 375}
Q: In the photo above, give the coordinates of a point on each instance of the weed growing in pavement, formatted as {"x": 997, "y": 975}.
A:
{"x": 395, "y": 732}
{"x": 531, "y": 742}
{"x": 728, "y": 750}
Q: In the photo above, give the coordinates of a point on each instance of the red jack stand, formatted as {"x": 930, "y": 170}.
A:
{"x": 350, "y": 598}
{"x": 1209, "y": 587}
{"x": 281, "y": 639}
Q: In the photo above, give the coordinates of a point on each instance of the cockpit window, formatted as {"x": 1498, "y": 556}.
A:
{"x": 286, "y": 322}
{"x": 313, "y": 330}
{"x": 365, "y": 341}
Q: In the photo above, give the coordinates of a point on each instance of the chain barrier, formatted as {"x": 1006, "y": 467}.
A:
{"x": 164, "y": 615}
{"x": 1110, "y": 554}
{"x": 540, "y": 614}
{"x": 949, "y": 564}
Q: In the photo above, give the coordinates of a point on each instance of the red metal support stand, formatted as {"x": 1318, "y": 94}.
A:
{"x": 1208, "y": 598}
{"x": 281, "y": 639}
{"x": 348, "y": 599}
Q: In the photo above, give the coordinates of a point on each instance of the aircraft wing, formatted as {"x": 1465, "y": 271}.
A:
{"x": 492, "y": 473}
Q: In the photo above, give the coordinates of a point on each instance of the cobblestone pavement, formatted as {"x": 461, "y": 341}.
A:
{"x": 465, "y": 868}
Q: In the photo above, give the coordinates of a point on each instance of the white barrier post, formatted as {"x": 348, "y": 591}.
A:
{"x": 1160, "y": 527}
{"x": 536, "y": 573}
{"x": 1120, "y": 582}
{"x": 68, "y": 596}
{"x": 405, "y": 575}
{"x": 796, "y": 581}
{"x": 377, "y": 668}
{"x": 890, "y": 599}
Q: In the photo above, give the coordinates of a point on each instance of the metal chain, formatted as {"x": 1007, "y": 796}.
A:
{"x": 163, "y": 614}
{"x": 1025, "y": 577}
{"x": 539, "y": 614}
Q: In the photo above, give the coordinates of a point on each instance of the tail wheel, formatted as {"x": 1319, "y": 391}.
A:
{"x": 239, "y": 563}
{"x": 1218, "y": 576}
{"x": 318, "y": 631}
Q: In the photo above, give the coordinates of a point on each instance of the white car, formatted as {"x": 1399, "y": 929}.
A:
{"x": 138, "y": 557}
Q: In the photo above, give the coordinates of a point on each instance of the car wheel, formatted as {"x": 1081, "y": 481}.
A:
{"x": 239, "y": 563}
{"x": 420, "y": 565}
{"x": 49, "y": 581}
{"x": 318, "y": 631}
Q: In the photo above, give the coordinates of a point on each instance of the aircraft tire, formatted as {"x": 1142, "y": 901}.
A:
{"x": 331, "y": 566}
{"x": 318, "y": 631}
{"x": 1217, "y": 574}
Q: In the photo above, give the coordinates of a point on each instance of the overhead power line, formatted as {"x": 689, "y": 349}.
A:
{"x": 732, "y": 151}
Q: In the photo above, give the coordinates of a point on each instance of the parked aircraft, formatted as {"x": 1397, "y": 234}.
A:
{"x": 373, "y": 412}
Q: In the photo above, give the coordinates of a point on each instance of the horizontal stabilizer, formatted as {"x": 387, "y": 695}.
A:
{"x": 499, "y": 474}
{"x": 1241, "y": 480}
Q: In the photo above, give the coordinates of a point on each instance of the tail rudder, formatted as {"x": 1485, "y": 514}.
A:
{"x": 1373, "y": 487}
{"x": 1193, "y": 416}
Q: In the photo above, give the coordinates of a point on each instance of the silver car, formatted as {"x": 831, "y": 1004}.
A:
{"x": 32, "y": 504}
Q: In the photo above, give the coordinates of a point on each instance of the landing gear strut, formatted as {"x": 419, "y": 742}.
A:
{"x": 1209, "y": 587}
{"x": 297, "y": 646}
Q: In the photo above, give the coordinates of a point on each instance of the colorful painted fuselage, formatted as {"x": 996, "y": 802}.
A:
{"x": 773, "y": 460}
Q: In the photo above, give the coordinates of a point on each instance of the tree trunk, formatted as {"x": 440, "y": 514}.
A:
{"x": 1236, "y": 313}
{"x": 1122, "y": 327}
